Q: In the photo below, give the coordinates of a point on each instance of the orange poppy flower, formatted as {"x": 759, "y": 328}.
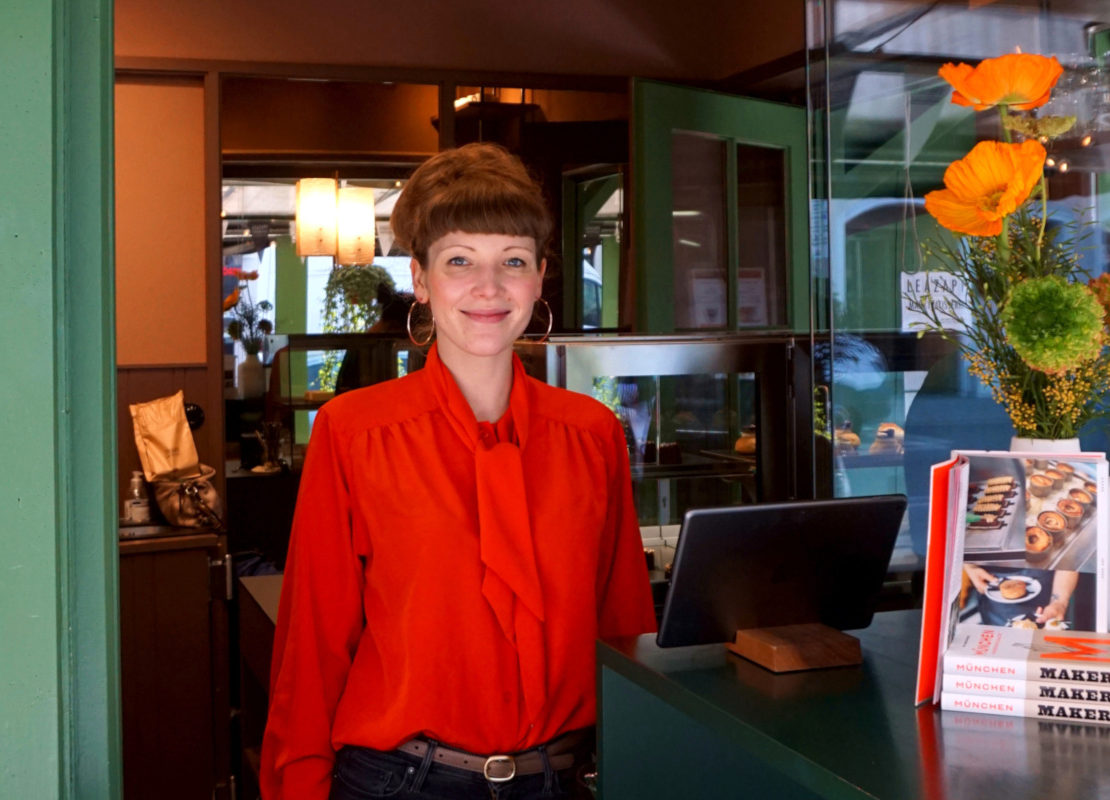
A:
{"x": 232, "y": 299}
{"x": 985, "y": 185}
{"x": 1018, "y": 80}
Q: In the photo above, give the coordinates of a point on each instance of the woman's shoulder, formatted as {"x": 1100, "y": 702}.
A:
{"x": 573, "y": 409}
{"x": 385, "y": 403}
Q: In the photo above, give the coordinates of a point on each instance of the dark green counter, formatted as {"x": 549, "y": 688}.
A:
{"x": 697, "y": 722}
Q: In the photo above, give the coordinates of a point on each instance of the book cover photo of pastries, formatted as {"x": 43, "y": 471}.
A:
{"x": 1016, "y": 540}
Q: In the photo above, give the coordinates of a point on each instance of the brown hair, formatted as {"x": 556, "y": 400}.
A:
{"x": 476, "y": 188}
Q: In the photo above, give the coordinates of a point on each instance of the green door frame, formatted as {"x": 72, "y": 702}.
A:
{"x": 59, "y": 594}
{"x": 658, "y": 109}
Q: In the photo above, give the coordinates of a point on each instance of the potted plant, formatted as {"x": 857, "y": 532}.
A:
{"x": 1030, "y": 322}
{"x": 350, "y": 306}
{"x": 248, "y": 326}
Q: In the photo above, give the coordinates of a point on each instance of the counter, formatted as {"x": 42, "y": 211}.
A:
{"x": 699, "y": 722}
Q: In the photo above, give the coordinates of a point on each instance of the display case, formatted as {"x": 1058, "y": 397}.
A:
{"x": 708, "y": 420}
{"x": 307, "y": 370}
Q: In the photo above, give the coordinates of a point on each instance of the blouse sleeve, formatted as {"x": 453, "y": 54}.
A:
{"x": 320, "y": 620}
{"x": 625, "y": 603}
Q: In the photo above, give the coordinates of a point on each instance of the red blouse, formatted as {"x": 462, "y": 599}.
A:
{"x": 448, "y": 578}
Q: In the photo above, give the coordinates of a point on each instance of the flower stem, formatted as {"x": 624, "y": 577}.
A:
{"x": 1004, "y": 241}
{"x": 1044, "y": 213}
{"x": 1003, "y": 111}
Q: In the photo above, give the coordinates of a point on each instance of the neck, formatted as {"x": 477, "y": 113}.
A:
{"x": 484, "y": 382}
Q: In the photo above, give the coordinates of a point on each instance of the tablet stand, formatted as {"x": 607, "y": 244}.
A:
{"x": 789, "y": 648}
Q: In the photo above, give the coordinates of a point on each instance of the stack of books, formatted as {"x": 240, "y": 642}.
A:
{"x": 1018, "y": 672}
{"x": 1016, "y": 605}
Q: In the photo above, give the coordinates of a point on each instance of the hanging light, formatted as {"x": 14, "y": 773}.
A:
{"x": 355, "y": 225}
{"x": 315, "y": 225}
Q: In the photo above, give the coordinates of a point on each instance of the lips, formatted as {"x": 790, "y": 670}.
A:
{"x": 489, "y": 317}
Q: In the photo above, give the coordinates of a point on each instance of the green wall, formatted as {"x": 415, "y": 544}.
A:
{"x": 59, "y": 673}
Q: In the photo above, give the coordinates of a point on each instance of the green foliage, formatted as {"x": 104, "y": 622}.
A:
{"x": 250, "y": 326}
{"x": 1040, "y": 404}
{"x": 1052, "y": 324}
{"x": 350, "y": 306}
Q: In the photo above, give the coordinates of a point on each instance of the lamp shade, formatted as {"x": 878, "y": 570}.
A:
{"x": 316, "y": 205}
{"x": 355, "y": 223}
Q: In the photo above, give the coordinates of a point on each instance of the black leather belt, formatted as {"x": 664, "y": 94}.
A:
{"x": 501, "y": 767}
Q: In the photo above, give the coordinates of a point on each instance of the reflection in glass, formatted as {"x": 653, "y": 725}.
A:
{"x": 599, "y": 205}
{"x": 761, "y": 288}
{"x": 698, "y": 165}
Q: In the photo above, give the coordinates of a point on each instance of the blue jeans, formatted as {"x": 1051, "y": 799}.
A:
{"x": 362, "y": 773}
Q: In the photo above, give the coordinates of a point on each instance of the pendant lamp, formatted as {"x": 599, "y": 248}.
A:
{"x": 355, "y": 224}
{"x": 316, "y": 217}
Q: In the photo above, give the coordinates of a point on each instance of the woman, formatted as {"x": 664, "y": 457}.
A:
{"x": 462, "y": 536}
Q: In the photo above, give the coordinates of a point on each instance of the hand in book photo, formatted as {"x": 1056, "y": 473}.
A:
{"x": 1063, "y": 586}
{"x": 980, "y": 577}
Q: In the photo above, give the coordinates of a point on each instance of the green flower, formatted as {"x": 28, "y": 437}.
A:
{"x": 1052, "y": 324}
{"x": 1038, "y": 127}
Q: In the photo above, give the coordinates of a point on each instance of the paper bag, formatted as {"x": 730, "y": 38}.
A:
{"x": 162, "y": 435}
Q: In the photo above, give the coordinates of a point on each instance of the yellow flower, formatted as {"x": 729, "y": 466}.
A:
{"x": 985, "y": 185}
{"x": 1018, "y": 80}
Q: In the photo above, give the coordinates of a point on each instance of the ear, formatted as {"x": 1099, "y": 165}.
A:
{"x": 419, "y": 284}
{"x": 543, "y": 271}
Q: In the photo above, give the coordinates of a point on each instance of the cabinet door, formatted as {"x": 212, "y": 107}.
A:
{"x": 720, "y": 226}
{"x": 173, "y": 672}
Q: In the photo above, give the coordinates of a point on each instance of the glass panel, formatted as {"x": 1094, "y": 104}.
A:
{"x": 886, "y": 129}
{"x": 761, "y": 282}
{"x": 698, "y": 180}
{"x": 600, "y": 205}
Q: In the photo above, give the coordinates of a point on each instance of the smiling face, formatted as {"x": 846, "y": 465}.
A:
{"x": 481, "y": 287}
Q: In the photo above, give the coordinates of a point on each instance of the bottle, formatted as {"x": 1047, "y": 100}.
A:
{"x": 136, "y": 506}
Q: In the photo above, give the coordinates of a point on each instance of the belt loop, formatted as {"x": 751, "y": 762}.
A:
{"x": 425, "y": 765}
{"x": 550, "y": 779}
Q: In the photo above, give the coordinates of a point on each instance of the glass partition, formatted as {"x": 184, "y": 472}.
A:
{"x": 884, "y": 130}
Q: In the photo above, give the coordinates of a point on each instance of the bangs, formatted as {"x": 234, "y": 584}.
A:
{"x": 504, "y": 212}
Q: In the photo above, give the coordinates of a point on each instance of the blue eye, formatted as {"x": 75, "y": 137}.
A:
{"x": 516, "y": 262}
{"x": 457, "y": 261}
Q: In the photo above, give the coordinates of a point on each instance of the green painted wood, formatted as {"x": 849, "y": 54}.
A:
{"x": 657, "y": 111}
{"x": 58, "y": 599}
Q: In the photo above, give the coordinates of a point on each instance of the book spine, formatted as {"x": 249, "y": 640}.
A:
{"x": 1021, "y": 707}
{"x": 1029, "y": 690}
{"x": 1058, "y": 670}
{"x": 985, "y": 667}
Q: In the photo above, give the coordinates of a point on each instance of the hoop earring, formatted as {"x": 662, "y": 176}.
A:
{"x": 550, "y": 321}
{"x": 408, "y": 327}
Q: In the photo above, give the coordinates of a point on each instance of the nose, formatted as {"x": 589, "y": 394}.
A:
{"x": 487, "y": 281}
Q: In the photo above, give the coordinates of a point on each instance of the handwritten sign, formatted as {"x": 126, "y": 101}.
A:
{"x": 942, "y": 293}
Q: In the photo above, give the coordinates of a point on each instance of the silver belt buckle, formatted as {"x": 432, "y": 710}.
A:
{"x": 499, "y": 760}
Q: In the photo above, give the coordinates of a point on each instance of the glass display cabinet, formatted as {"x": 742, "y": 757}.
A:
{"x": 708, "y": 420}
{"x": 307, "y": 370}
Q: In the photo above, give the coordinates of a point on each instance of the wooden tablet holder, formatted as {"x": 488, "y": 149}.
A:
{"x": 790, "y": 648}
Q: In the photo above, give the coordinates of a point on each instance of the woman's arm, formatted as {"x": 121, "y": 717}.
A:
{"x": 318, "y": 628}
{"x": 625, "y": 606}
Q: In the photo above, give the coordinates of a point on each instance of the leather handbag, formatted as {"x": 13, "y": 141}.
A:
{"x": 190, "y": 502}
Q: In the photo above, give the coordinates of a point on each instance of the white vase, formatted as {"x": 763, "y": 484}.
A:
{"x": 1020, "y": 444}
{"x": 250, "y": 377}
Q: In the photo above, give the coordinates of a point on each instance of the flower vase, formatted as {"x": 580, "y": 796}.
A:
{"x": 1021, "y": 444}
{"x": 250, "y": 377}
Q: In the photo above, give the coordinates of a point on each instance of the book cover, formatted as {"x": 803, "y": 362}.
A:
{"x": 1022, "y": 654}
{"x": 1016, "y": 540}
{"x": 1058, "y": 690}
{"x": 1021, "y": 707}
